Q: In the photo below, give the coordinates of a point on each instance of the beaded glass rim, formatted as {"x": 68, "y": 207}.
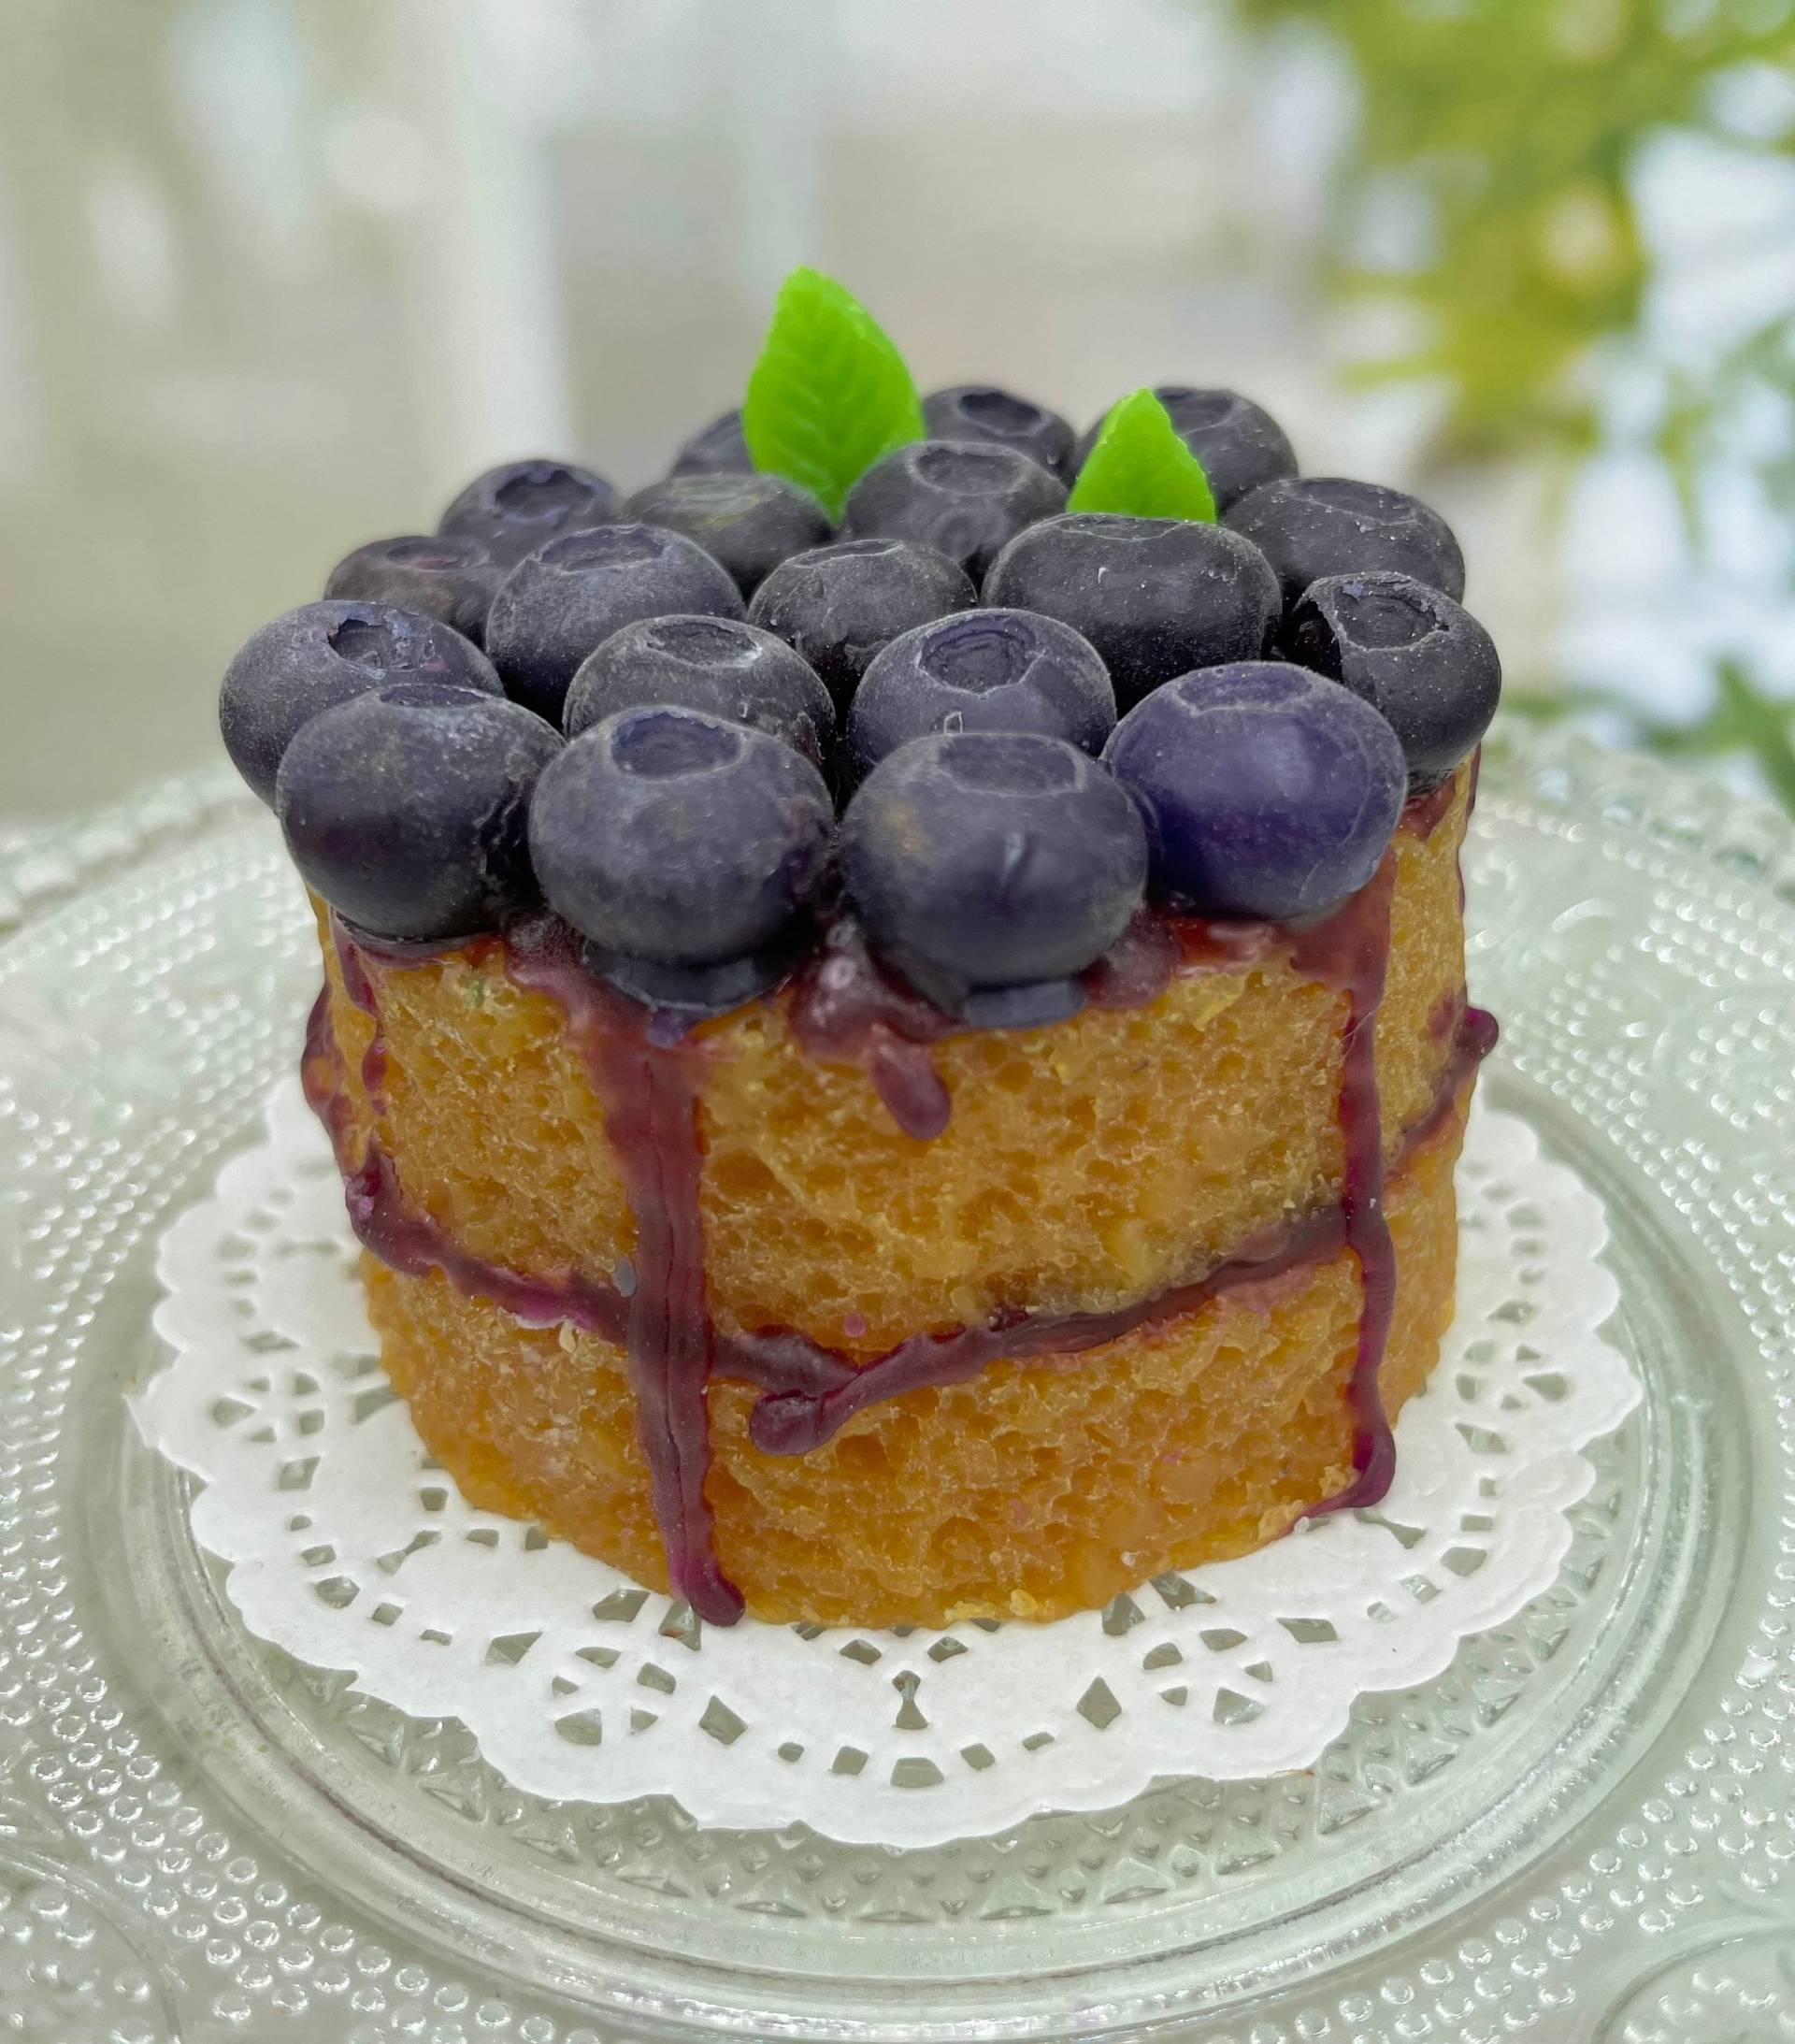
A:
{"x": 175, "y": 1842}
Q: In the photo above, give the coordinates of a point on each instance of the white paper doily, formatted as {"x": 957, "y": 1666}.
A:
{"x": 351, "y": 1549}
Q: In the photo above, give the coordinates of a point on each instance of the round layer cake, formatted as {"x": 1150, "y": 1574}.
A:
{"x": 707, "y": 1310}
{"x": 895, "y": 1021}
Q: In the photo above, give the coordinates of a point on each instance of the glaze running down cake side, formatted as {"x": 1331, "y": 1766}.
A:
{"x": 848, "y": 1126}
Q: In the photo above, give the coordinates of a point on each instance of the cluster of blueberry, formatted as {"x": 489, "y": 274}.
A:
{"x": 674, "y": 689}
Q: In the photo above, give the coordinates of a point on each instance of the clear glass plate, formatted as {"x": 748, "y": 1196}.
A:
{"x": 1585, "y": 1830}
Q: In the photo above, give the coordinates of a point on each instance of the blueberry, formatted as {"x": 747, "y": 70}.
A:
{"x": 1156, "y": 597}
{"x": 666, "y": 835}
{"x": 983, "y": 671}
{"x": 405, "y": 808}
{"x": 1309, "y": 526}
{"x": 444, "y": 575}
{"x": 1412, "y": 653}
{"x": 748, "y": 523}
{"x": 839, "y": 604}
{"x": 714, "y": 664}
{"x": 1239, "y": 445}
{"x": 323, "y": 653}
{"x": 963, "y": 497}
{"x": 991, "y": 859}
{"x": 518, "y": 508}
{"x": 976, "y": 411}
{"x": 558, "y": 604}
{"x": 718, "y": 450}
{"x": 1268, "y": 791}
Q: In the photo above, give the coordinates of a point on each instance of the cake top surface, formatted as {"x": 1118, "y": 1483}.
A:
{"x": 936, "y": 662}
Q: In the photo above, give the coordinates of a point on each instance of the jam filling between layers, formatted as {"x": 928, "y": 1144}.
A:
{"x": 844, "y": 1008}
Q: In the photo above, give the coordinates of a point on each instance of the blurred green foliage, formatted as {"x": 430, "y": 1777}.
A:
{"x": 1515, "y": 124}
{"x": 1507, "y": 134}
{"x": 1741, "y": 720}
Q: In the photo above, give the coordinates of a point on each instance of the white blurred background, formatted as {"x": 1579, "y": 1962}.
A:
{"x": 276, "y": 276}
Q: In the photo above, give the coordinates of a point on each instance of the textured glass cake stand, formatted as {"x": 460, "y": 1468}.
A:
{"x": 1586, "y": 1829}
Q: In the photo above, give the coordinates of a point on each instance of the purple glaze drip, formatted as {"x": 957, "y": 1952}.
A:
{"x": 320, "y": 1072}
{"x": 1352, "y": 950}
{"x": 1474, "y": 1033}
{"x": 793, "y": 1421}
{"x": 1478, "y": 1034}
{"x": 1357, "y": 957}
{"x": 359, "y": 987}
{"x": 357, "y": 981}
{"x": 650, "y": 1115}
{"x": 410, "y": 1242}
{"x": 846, "y": 1009}
{"x": 651, "y": 1112}
{"x": 1423, "y": 814}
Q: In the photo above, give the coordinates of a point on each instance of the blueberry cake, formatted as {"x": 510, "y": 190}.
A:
{"x": 894, "y": 1015}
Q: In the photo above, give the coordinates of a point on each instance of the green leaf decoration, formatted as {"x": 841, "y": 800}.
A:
{"x": 830, "y": 393}
{"x": 1139, "y": 466}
